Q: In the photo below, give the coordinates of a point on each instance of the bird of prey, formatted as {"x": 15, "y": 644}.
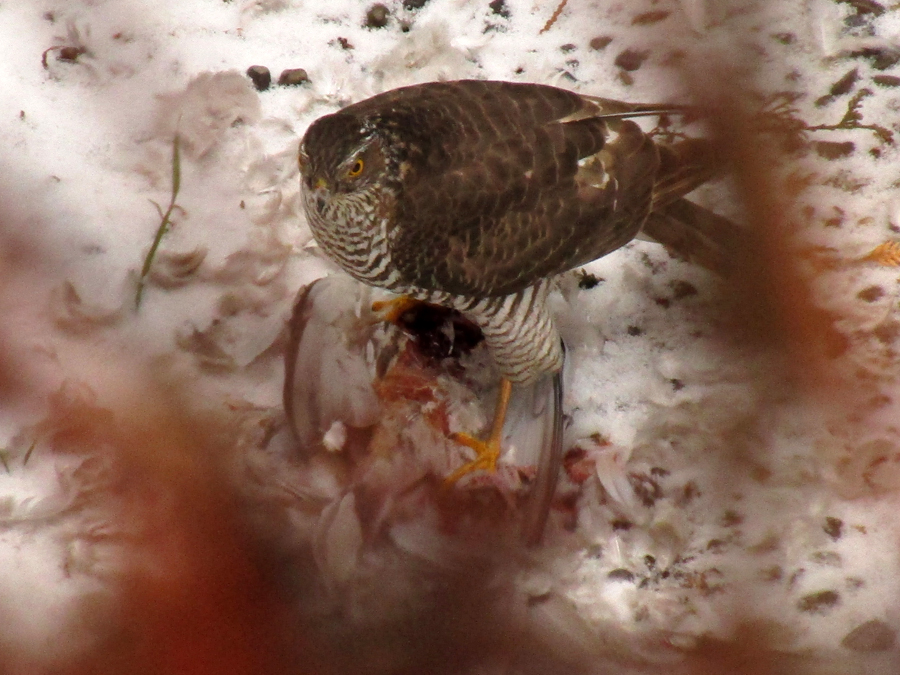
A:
{"x": 474, "y": 195}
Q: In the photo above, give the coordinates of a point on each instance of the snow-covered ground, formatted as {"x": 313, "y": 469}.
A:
{"x": 730, "y": 490}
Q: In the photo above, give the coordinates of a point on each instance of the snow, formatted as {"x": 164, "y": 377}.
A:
{"x": 714, "y": 474}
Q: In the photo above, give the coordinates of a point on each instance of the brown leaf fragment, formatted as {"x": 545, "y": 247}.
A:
{"x": 600, "y": 42}
{"x": 648, "y": 18}
{"x": 172, "y": 270}
{"x": 886, "y": 80}
{"x": 831, "y": 150}
{"x": 845, "y": 84}
{"x": 73, "y": 314}
{"x": 879, "y": 58}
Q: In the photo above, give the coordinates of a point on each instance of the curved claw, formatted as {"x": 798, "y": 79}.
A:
{"x": 489, "y": 450}
{"x": 391, "y": 310}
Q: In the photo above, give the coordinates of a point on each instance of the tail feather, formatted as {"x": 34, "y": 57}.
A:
{"x": 697, "y": 234}
{"x": 683, "y": 167}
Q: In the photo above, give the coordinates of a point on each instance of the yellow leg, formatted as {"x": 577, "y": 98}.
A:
{"x": 392, "y": 310}
{"x": 489, "y": 450}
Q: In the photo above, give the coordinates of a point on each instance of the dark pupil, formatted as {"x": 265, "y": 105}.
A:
{"x": 357, "y": 166}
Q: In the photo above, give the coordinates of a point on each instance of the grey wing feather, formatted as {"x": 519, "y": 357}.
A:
{"x": 548, "y": 465}
{"x": 327, "y": 377}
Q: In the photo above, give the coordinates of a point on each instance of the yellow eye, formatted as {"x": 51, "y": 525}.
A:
{"x": 356, "y": 169}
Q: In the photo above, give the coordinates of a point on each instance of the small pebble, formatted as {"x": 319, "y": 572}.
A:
{"x": 377, "y": 16}
{"x": 260, "y": 76}
{"x": 600, "y": 42}
{"x": 292, "y": 77}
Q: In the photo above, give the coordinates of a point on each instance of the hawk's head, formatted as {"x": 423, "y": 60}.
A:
{"x": 338, "y": 154}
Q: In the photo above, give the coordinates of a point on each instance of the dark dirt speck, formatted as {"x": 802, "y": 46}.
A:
{"x": 600, "y": 42}
{"x": 831, "y": 150}
{"x": 631, "y": 59}
{"x": 818, "y": 603}
{"x": 871, "y": 294}
{"x": 620, "y": 574}
{"x": 833, "y": 527}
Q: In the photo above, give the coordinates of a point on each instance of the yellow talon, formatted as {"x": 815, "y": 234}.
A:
{"x": 488, "y": 454}
{"x": 392, "y": 310}
{"x": 488, "y": 451}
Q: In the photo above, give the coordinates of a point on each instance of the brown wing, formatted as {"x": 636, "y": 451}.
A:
{"x": 505, "y": 184}
{"x": 553, "y": 217}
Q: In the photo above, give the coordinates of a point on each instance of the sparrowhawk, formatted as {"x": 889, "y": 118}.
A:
{"x": 474, "y": 195}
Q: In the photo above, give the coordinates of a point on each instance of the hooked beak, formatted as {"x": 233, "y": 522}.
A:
{"x": 318, "y": 189}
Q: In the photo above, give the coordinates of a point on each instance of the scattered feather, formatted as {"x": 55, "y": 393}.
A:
{"x": 173, "y": 270}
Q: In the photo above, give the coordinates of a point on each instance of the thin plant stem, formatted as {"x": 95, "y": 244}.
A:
{"x": 164, "y": 223}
